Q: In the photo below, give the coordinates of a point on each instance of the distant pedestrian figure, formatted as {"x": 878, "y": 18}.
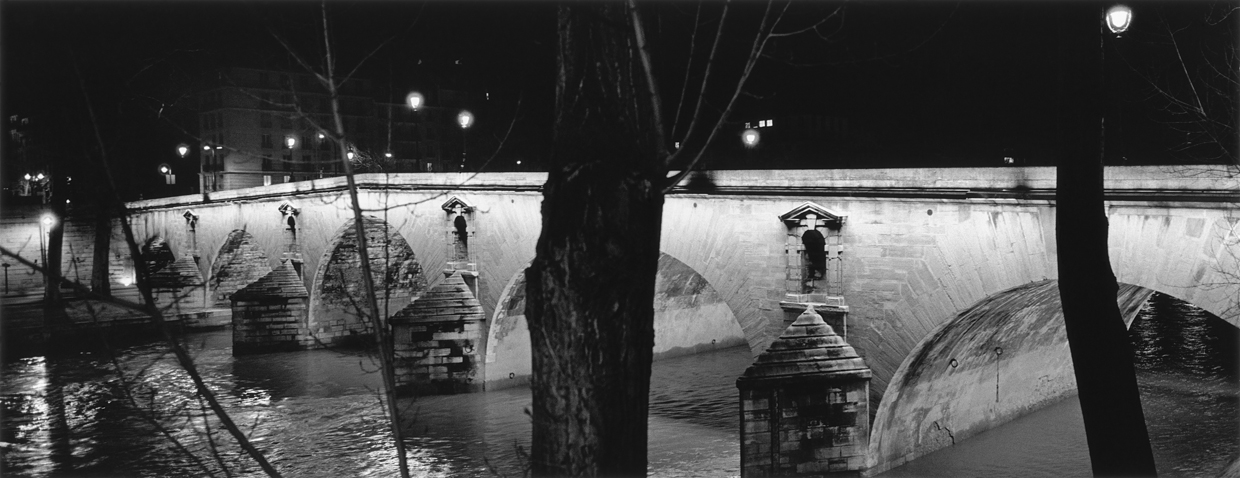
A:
{"x": 815, "y": 254}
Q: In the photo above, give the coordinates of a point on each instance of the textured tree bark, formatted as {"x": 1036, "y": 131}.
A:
{"x": 1101, "y": 353}
{"x": 99, "y": 281}
{"x": 590, "y": 289}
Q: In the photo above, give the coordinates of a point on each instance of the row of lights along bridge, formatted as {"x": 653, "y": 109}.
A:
{"x": 1118, "y": 19}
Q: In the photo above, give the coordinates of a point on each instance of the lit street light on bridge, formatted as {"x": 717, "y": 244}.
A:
{"x": 465, "y": 119}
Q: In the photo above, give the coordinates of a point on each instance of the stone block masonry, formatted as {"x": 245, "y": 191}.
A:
{"x": 438, "y": 341}
{"x": 339, "y": 305}
{"x": 804, "y": 405}
{"x": 269, "y": 315}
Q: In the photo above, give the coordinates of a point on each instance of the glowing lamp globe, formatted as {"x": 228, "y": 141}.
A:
{"x": 465, "y": 119}
{"x": 750, "y": 137}
{"x": 182, "y": 149}
{"x": 415, "y": 100}
{"x": 1119, "y": 18}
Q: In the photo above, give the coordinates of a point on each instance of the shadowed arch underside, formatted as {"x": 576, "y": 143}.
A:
{"x": 689, "y": 317}
{"x": 240, "y": 261}
{"x": 338, "y": 297}
{"x": 999, "y": 359}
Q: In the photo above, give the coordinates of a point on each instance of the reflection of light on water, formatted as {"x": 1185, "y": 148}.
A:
{"x": 312, "y": 413}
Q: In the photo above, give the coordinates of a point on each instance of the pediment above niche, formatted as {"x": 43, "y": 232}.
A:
{"x": 457, "y": 205}
{"x": 798, "y": 215}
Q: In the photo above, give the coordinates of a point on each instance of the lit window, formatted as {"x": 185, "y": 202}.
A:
{"x": 266, "y": 180}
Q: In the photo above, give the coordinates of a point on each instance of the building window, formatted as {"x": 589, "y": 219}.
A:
{"x": 266, "y": 140}
{"x": 266, "y": 180}
{"x": 264, "y": 120}
{"x": 288, "y": 178}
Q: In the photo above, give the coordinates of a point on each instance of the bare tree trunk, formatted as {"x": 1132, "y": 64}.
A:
{"x": 103, "y": 238}
{"x": 1101, "y": 353}
{"x": 590, "y": 289}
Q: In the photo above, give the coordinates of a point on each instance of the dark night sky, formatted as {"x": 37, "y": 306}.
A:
{"x": 935, "y": 83}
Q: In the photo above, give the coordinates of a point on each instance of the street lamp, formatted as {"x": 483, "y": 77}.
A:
{"x": 750, "y": 137}
{"x": 182, "y": 150}
{"x": 1119, "y": 18}
{"x": 465, "y": 119}
{"x": 415, "y": 100}
{"x": 45, "y": 224}
{"x": 290, "y": 141}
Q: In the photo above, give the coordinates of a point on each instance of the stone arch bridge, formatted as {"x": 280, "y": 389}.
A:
{"x": 929, "y": 272}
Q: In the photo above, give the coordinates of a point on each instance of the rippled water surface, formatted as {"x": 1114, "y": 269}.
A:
{"x": 316, "y": 414}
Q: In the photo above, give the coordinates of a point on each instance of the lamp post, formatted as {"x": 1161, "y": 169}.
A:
{"x": 169, "y": 177}
{"x": 183, "y": 151}
{"x": 750, "y": 139}
{"x": 202, "y": 174}
{"x": 1118, "y": 19}
{"x": 45, "y": 226}
{"x": 465, "y": 119}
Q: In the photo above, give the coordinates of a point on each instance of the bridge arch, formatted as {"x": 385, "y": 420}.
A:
{"x": 240, "y": 261}
{"x": 999, "y": 359}
{"x": 690, "y": 317}
{"x": 337, "y": 297}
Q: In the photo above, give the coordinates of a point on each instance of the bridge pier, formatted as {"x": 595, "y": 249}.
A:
{"x": 805, "y": 405}
{"x": 269, "y": 315}
{"x": 438, "y": 340}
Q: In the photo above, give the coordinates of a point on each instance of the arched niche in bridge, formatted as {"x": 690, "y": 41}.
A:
{"x": 191, "y": 234}
{"x": 1001, "y": 358}
{"x": 289, "y": 232}
{"x": 814, "y": 252}
{"x": 240, "y": 261}
{"x": 459, "y": 230}
{"x": 338, "y": 294}
{"x": 814, "y": 265}
{"x": 689, "y": 317}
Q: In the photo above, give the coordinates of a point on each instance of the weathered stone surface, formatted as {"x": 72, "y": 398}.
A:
{"x": 689, "y": 317}
{"x": 239, "y": 262}
{"x": 1000, "y": 359}
{"x": 981, "y": 231}
{"x": 804, "y": 405}
{"x": 437, "y": 341}
{"x": 339, "y": 309}
{"x": 269, "y": 315}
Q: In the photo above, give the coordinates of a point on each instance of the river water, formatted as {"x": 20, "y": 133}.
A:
{"x": 316, "y": 414}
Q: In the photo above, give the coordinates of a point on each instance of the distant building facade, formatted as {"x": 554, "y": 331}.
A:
{"x": 261, "y": 127}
